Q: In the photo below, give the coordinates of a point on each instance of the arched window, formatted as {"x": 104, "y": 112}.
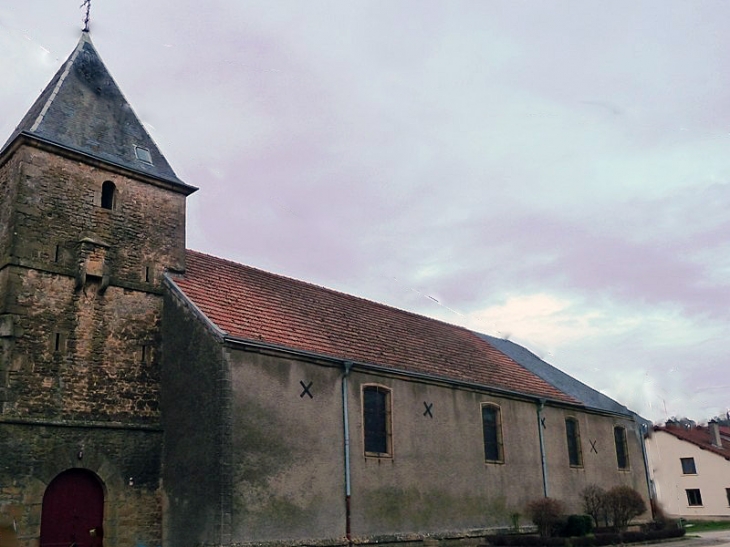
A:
{"x": 377, "y": 425}
{"x": 572, "y": 433}
{"x": 108, "y": 195}
{"x": 622, "y": 447}
{"x": 492, "y": 427}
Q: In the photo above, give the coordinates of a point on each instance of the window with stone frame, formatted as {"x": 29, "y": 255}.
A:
{"x": 492, "y": 430}
{"x": 572, "y": 434}
{"x": 622, "y": 447}
{"x": 377, "y": 421}
{"x": 694, "y": 497}
{"x": 688, "y": 466}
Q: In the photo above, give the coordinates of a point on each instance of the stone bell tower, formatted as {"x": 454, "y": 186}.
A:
{"x": 91, "y": 217}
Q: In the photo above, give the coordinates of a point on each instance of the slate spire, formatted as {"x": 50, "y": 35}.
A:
{"x": 83, "y": 110}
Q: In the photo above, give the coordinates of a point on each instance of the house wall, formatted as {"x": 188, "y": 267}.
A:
{"x": 712, "y": 478}
{"x": 8, "y": 191}
{"x": 195, "y": 390}
{"x": 288, "y": 464}
{"x": 287, "y": 450}
{"x": 437, "y": 480}
{"x": 74, "y": 377}
{"x": 600, "y": 465}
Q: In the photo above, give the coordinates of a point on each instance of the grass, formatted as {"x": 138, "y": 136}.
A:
{"x": 697, "y": 526}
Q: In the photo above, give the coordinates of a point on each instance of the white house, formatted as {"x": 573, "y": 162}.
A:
{"x": 690, "y": 467}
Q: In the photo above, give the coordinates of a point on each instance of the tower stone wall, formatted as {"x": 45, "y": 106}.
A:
{"x": 81, "y": 272}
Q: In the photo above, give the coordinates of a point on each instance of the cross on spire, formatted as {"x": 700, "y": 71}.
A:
{"x": 87, "y": 4}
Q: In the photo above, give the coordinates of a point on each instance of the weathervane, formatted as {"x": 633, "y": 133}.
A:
{"x": 86, "y": 3}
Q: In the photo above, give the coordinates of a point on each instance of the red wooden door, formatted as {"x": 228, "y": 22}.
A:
{"x": 73, "y": 510}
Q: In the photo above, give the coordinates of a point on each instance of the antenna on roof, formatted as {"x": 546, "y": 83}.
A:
{"x": 86, "y": 3}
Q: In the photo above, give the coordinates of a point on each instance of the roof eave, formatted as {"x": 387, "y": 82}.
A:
{"x": 708, "y": 448}
{"x": 47, "y": 145}
{"x": 235, "y": 341}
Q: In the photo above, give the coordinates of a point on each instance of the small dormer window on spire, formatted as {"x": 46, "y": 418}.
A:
{"x": 108, "y": 195}
{"x": 143, "y": 154}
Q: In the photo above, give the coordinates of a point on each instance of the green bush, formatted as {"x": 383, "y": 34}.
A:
{"x": 577, "y": 526}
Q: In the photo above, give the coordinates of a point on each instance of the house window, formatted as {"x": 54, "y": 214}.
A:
{"x": 572, "y": 432}
{"x": 694, "y": 497}
{"x": 727, "y": 494}
{"x": 108, "y": 195}
{"x": 492, "y": 426}
{"x": 622, "y": 448}
{"x": 688, "y": 466}
{"x": 377, "y": 421}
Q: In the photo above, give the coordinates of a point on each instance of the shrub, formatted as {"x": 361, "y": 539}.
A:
{"x": 525, "y": 541}
{"x": 594, "y": 504}
{"x": 598, "y": 540}
{"x": 577, "y": 526}
{"x": 661, "y": 521}
{"x": 545, "y": 514}
{"x": 623, "y": 503}
{"x": 514, "y": 518}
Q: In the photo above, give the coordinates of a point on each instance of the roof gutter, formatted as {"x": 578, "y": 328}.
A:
{"x": 363, "y": 366}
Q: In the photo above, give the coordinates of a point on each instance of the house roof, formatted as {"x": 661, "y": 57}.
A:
{"x": 700, "y": 436}
{"x": 564, "y": 382}
{"x": 82, "y": 109}
{"x": 253, "y": 305}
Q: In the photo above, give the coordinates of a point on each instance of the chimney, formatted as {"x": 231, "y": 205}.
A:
{"x": 715, "y": 438}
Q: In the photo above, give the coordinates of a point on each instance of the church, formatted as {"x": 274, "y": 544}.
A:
{"x": 152, "y": 395}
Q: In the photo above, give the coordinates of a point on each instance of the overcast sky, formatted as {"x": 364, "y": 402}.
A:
{"x": 552, "y": 172}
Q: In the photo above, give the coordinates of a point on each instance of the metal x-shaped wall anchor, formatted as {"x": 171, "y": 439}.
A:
{"x": 428, "y": 406}
{"x": 306, "y": 391}
{"x": 593, "y": 446}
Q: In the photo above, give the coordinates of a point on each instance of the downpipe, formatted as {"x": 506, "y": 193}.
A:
{"x": 346, "y": 426}
{"x": 543, "y": 459}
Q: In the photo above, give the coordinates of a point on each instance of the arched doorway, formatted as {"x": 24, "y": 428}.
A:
{"x": 73, "y": 510}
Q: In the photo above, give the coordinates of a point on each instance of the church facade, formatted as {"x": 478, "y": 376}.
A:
{"x": 152, "y": 395}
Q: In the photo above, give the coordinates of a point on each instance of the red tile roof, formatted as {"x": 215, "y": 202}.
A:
{"x": 250, "y": 304}
{"x": 700, "y": 436}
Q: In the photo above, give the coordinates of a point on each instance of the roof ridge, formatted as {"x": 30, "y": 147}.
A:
{"x": 68, "y": 64}
{"x": 334, "y": 291}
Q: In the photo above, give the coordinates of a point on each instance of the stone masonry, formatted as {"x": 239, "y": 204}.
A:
{"x": 80, "y": 306}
